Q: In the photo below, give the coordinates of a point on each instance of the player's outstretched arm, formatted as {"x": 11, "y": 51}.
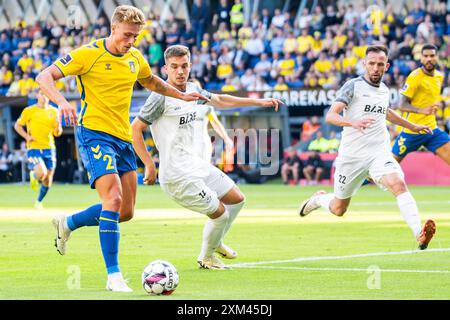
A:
{"x": 156, "y": 84}
{"x": 333, "y": 117}
{"x": 228, "y": 101}
{"x": 138, "y": 127}
{"x": 46, "y": 80}
{"x": 396, "y": 119}
{"x": 406, "y": 106}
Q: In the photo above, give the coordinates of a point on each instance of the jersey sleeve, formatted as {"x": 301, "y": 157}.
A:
{"x": 410, "y": 86}
{"x": 75, "y": 62}
{"x": 203, "y": 92}
{"x": 144, "y": 68}
{"x": 345, "y": 94}
{"x": 152, "y": 109}
{"x": 23, "y": 117}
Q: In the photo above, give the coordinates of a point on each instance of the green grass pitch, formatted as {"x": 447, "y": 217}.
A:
{"x": 367, "y": 254}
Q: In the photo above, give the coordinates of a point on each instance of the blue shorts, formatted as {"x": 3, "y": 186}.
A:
{"x": 409, "y": 142}
{"x": 41, "y": 156}
{"x": 103, "y": 153}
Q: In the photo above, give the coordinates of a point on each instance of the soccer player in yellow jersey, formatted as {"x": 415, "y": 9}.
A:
{"x": 42, "y": 124}
{"x": 419, "y": 100}
{"x": 106, "y": 71}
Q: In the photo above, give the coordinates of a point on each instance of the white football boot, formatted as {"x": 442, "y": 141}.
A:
{"x": 212, "y": 263}
{"x": 62, "y": 233}
{"x": 226, "y": 252}
{"x": 310, "y": 204}
{"x": 117, "y": 284}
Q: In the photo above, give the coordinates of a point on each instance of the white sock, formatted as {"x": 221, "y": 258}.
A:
{"x": 212, "y": 234}
{"x": 233, "y": 210}
{"x": 410, "y": 212}
{"x": 324, "y": 200}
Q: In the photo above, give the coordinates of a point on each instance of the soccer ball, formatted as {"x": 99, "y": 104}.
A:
{"x": 160, "y": 277}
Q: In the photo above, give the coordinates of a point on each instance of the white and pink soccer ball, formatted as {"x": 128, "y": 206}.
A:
{"x": 160, "y": 278}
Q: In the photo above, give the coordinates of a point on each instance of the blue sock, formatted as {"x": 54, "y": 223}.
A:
{"x": 109, "y": 239}
{"x": 42, "y": 193}
{"x": 88, "y": 217}
{"x": 365, "y": 182}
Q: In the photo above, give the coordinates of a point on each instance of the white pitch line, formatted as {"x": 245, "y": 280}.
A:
{"x": 362, "y": 255}
{"x": 343, "y": 269}
{"x": 357, "y": 203}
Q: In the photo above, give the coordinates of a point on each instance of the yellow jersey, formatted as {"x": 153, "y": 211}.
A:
{"x": 105, "y": 81}
{"x": 423, "y": 91}
{"x": 40, "y": 123}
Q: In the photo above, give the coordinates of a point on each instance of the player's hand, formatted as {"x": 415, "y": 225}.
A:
{"x": 421, "y": 129}
{"x": 150, "y": 174}
{"x": 194, "y": 96}
{"x": 430, "y": 109}
{"x": 275, "y": 103}
{"x": 29, "y": 139}
{"x": 363, "y": 124}
{"x": 67, "y": 112}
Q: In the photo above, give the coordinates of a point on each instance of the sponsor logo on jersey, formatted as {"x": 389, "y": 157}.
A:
{"x": 375, "y": 109}
{"x": 66, "y": 59}
{"x": 188, "y": 118}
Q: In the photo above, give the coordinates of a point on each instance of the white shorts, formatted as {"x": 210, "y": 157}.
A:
{"x": 200, "y": 195}
{"x": 351, "y": 172}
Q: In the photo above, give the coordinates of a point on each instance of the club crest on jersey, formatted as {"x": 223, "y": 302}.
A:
{"x": 188, "y": 118}
{"x": 132, "y": 66}
{"x": 66, "y": 59}
{"x": 108, "y": 66}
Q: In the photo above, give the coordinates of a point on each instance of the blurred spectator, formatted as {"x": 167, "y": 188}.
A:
{"x": 278, "y": 19}
{"x": 199, "y": 18}
{"x": 188, "y": 36}
{"x": 14, "y": 88}
{"x": 319, "y": 144}
{"x": 259, "y": 85}
{"x": 281, "y": 85}
{"x": 309, "y": 127}
{"x": 333, "y": 142}
{"x": 263, "y": 66}
{"x": 248, "y": 79}
{"x": 291, "y": 166}
{"x": 6, "y": 162}
{"x": 229, "y": 86}
{"x": 313, "y": 169}
{"x": 222, "y": 14}
{"x": 237, "y": 13}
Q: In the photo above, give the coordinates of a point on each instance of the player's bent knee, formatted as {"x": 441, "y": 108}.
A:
{"x": 240, "y": 198}
{"x": 126, "y": 215}
{"x": 114, "y": 201}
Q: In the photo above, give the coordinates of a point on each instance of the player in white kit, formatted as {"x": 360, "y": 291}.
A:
{"x": 206, "y": 116}
{"x": 365, "y": 150}
{"x": 184, "y": 175}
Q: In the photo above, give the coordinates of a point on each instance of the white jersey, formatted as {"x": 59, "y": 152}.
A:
{"x": 364, "y": 100}
{"x": 203, "y": 146}
{"x": 175, "y": 126}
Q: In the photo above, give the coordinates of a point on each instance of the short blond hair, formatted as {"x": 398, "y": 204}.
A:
{"x": 177, "y": 50}
{"x": 128, "y": 14}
